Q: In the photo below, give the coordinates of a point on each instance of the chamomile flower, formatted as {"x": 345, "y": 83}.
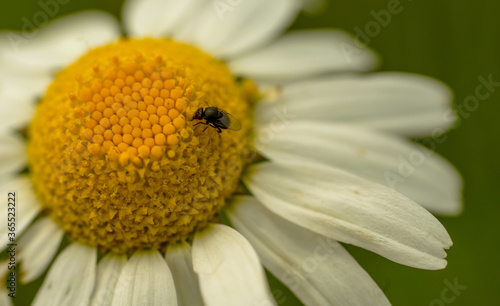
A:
{"x": 120, "y": 163}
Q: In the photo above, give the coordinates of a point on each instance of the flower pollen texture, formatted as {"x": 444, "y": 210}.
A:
{"x": 115, "y": 155}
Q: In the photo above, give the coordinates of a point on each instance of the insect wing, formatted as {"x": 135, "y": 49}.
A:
{"x": 233, "y": 123}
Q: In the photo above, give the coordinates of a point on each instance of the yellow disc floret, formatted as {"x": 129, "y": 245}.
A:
{"x": 115, "y": 156}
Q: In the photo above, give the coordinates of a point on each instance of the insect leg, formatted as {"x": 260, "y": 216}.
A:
{"x": 215, "y": 127}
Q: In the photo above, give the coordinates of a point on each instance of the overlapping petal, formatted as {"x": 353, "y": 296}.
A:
{"x": 71, "y": 278}
{"x": 229, "y": 270}
{"x": 29, "y": 60}
{"x": 302, "y": 54}
{"x": 159, "y": 18}
{"x": 350, "y": 209}
{"x": 44, "y": 51}
{"x": 316, "y": 268}
{"x": 401, "y": 103}
{"x": 37, "y": 248}
{"x": 226, "y": 29}
{"x": 412, "y": 170}
{"x": 186, "y": 281}
{"x": 108, "y": 273}
{"x": 145, "y": 280}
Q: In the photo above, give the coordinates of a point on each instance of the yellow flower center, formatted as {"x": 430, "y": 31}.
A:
{"x": 116, "y": 156}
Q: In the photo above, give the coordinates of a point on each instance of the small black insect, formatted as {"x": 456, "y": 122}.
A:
{"x": 217, "y": 118}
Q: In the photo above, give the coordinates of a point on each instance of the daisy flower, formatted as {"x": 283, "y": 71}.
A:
{"x": 137, "y": 143}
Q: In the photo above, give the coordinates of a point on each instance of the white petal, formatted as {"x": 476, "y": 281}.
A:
{"x": 230, "y": 28}
{"x": 28, "y": 62}
{"x": 12, "y": 154}
{"x": 186, "y": 281}
{"x": 59, "y": 43}
{"x": 24, "y": 207}
{"x": 228, "y": 268}
{"x": 4, "y": 269}
{"x": 412, "y": 170}
{"x": 316, "y": 268}
{"x": 350, "y": 209}
{"x": 18, "y": 96}
{"x": 145, "y": 280}
{"x": 5, "y": 300}
{"x": 71, "y": 278}
{"x": 401, "y": 103}
{"x": 108, "y": 272}
{"x": 301, "y": 54}
{"x": 15, "y": 114}
{"x": 37, "y": 248}
{"x": 158, "y": 18}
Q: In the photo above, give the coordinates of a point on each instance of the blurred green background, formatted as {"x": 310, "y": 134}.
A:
{"x": 455, "y": 41}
